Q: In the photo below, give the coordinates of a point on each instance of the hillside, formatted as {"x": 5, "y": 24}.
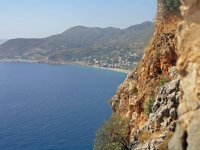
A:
{"x": 83, "y": 44}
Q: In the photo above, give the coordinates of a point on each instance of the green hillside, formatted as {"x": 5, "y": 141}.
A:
{"x": 83, "y": 44}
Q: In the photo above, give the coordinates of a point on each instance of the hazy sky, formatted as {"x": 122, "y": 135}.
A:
{"x": 42, "y": 18}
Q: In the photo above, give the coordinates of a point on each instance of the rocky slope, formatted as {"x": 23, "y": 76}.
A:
{"x": 155, "y": 78}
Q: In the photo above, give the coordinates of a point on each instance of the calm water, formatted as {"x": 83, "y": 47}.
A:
{"x": 53, "y": 107}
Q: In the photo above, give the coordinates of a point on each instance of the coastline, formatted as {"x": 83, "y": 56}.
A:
{"x": 113, "y": 69}
{"x": 69, "y": 63}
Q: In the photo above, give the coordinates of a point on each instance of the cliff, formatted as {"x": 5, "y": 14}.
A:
{"x": 154, "y": 82}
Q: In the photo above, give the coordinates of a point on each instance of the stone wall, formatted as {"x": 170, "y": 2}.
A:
{"x": 187, "y": 135}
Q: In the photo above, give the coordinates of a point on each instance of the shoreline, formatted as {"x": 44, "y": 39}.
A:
{"x": 113, "y": 69}
{"x": 70, "y": 63}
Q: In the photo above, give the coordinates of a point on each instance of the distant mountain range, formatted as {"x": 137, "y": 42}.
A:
{"x": 79, "y": 43}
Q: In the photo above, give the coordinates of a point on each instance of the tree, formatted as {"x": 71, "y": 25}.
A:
{"x": 112, "y": 134}
{"x": 171, "y": 5}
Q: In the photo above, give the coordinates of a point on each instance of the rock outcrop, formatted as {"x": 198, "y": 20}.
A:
{"x": 162, "y": 120}
{"x": 187, "y": 135}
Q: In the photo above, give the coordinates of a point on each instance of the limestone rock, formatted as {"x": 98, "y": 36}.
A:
{"x": 163, "y": 117}
{"x": 166, "y": 102}
{"x": 194, "y": 131}
{"x": 173, "y": 72}
{"x": 178, "y": 141}
{"x": 187, "y": 134}
{"x": 191, "y": 10}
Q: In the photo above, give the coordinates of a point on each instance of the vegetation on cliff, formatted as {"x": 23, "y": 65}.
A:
{"x": 112, "y": 134}
{"x": 171, "y": 5}
{"x": 148, "y": 107}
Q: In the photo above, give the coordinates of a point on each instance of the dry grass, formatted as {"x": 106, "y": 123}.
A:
{"x": 144, "y": 136}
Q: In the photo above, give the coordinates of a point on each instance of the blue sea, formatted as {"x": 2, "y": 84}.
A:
{"x": 53, "y": 107}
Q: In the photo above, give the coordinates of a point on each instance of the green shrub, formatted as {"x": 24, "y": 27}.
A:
{"x": 148, "y": 107}
{"x": 163, "y": 81}
{"x": 171, "y": 5}
{"x": 112, "y": 134}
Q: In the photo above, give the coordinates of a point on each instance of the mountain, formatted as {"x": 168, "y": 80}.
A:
{"x": 140, "y": 27}
{"x": 2, "y": 41}
{"x": 84, "y": 44}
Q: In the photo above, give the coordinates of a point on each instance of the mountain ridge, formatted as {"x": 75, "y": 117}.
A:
{"x": 80, "y": 42}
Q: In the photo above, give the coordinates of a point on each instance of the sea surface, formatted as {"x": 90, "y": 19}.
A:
{"x": 53, "y": 107}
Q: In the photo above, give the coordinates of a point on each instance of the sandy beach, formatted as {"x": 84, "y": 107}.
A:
{"x": 113, "y": 69}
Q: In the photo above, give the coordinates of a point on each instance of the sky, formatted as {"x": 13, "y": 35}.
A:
{"x": 42, "y": 18}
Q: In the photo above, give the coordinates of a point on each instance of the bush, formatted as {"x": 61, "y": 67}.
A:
{"x": 112, "y": 134}
{"x": 163, "y": 81}
{"x": 171, "y": 5}
{"x": 148, "y": 107}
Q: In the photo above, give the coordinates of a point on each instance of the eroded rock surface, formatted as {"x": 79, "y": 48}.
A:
{"x": 162, "y": 120}
{"x": 187, "y": 135}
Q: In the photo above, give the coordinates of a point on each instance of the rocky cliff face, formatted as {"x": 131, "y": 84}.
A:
{"x": 187, "y": 135}
{"x": 161, "y": 122}
{"x": 155, "y": 78}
